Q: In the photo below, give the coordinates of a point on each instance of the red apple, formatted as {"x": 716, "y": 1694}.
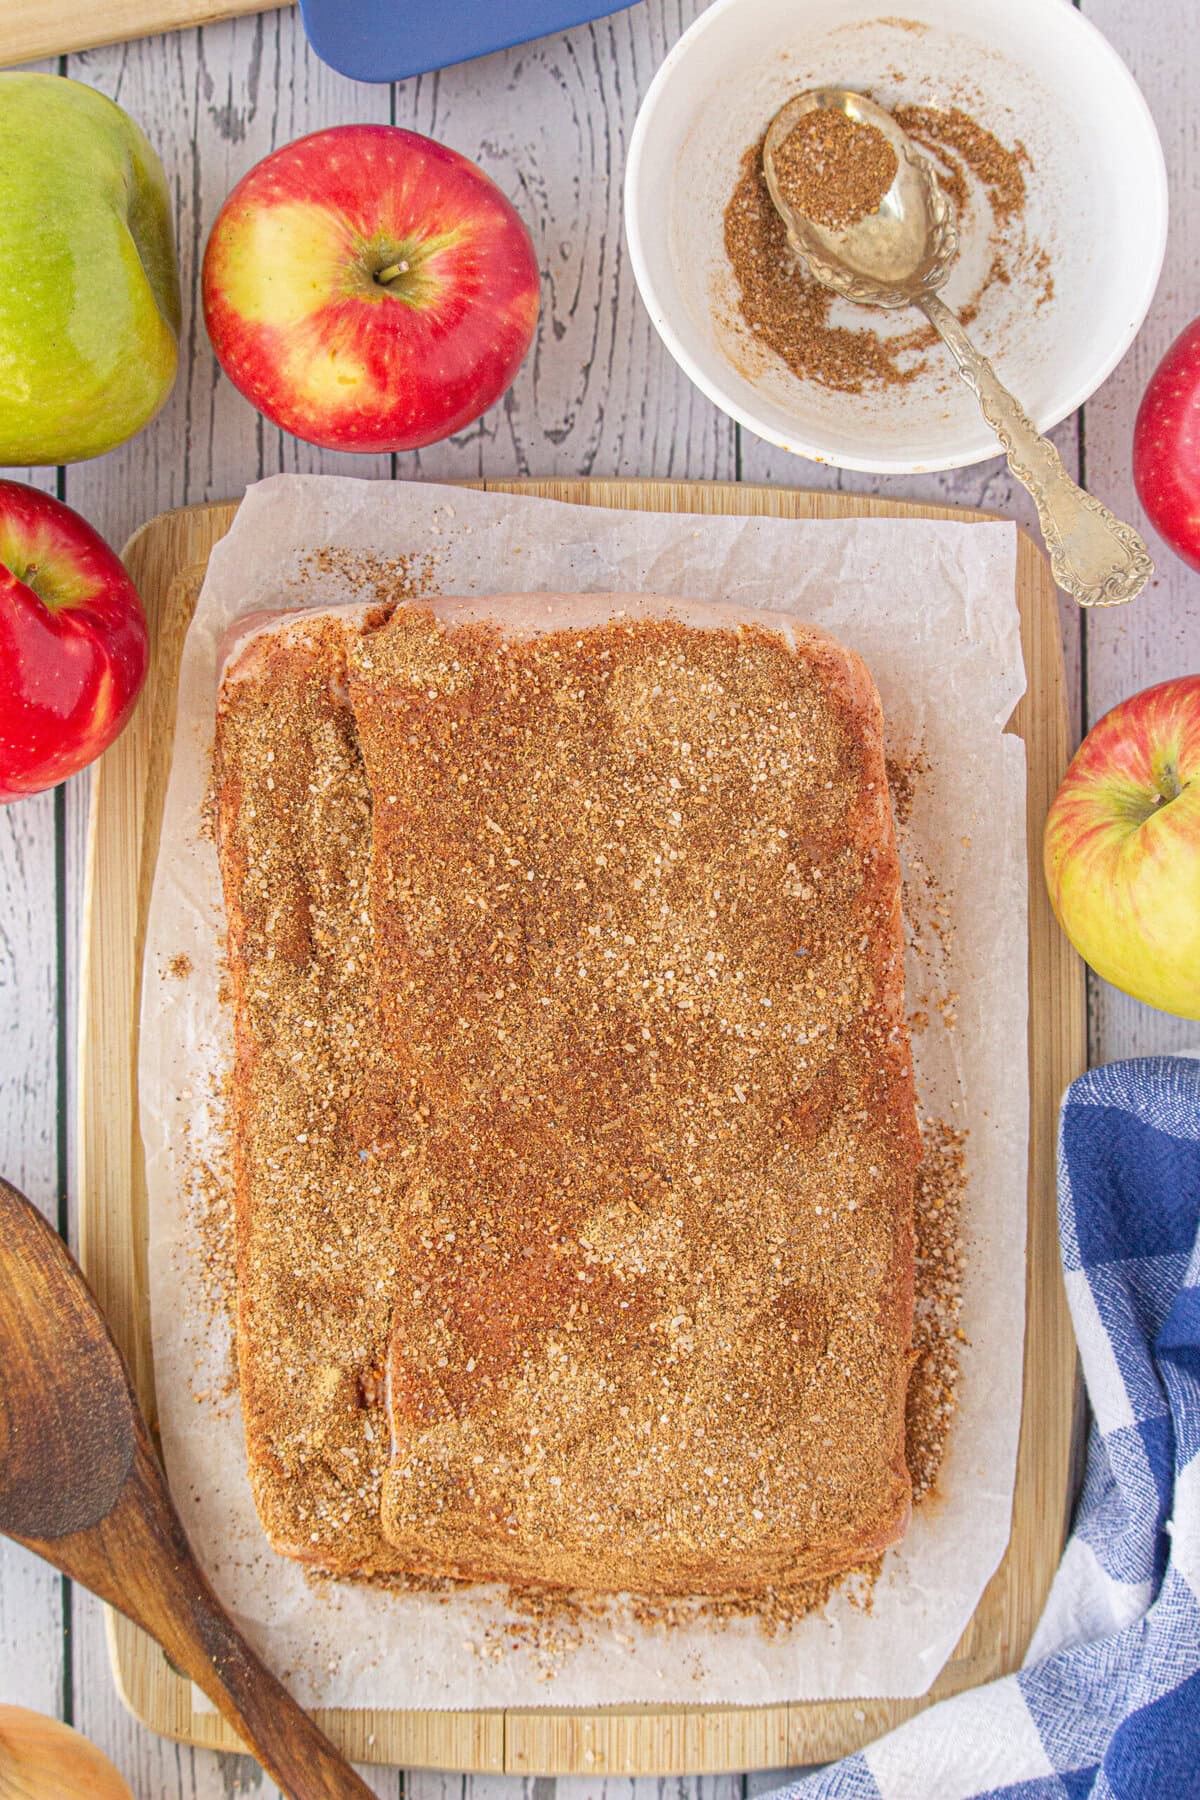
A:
{"x": 1122, "y": 847}
{"x": 369, "y": 289}
{"x": 1166, "y": 446}
{"x": 73, "y": 643}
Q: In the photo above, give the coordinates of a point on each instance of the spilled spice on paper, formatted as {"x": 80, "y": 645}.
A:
{"x": 389, "y": 578}
{"x": 937, "y": 1333}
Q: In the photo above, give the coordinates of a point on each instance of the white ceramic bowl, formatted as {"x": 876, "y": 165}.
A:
{"x": 1033, "y": 70}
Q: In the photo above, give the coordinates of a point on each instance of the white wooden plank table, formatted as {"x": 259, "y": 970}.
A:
{"x": 598, "y": 396}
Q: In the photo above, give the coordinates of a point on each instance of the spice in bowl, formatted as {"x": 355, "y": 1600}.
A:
{"x": 834, "y": 169}
{"x": 791, "y": 317}
{"x": 789, "y": 313}
{"x": 959, "y": 142}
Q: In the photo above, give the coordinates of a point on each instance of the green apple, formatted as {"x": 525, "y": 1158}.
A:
{"x": 89, "y": 290}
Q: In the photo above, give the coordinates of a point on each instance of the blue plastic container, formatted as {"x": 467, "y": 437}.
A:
{"x": 388, "y": 40}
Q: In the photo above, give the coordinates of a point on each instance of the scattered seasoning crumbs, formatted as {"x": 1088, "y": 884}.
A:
{"x": 905, "y": 775}
{"x": 937, "y": 1221}
{"x": 955, "y": 138}
{"x": 389, "y": 578}
{"x": 789, "y": 314}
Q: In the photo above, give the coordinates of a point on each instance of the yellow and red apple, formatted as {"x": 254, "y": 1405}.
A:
{"x": 73, "y": 643}
{"x": 1122, "y": 847}
{"x": 369, "y": 289}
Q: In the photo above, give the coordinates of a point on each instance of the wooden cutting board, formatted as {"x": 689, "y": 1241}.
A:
{"x": 167, "y": 559}
{"x": 33, "y": 29}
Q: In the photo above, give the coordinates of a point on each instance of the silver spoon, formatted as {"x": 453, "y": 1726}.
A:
{"x": 901, "y": 255}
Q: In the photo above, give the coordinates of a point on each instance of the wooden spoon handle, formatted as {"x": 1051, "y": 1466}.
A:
{"x": 290, "y": 1747}
{"x": 80, "y": 1485}
{"x": 139, "y": 1560}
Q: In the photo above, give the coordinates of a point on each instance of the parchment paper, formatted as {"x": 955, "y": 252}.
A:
{"x": 931, "y": 608}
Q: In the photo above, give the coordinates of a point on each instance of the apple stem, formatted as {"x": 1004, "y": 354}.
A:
{"x": 1169, "y": 785}
{"x": 391, "y": 272}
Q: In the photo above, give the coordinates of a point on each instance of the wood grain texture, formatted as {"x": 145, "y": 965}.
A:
{"x": 598, "y": 396}
{"x": 34, "y": 1600}
{"x": 1159, "y": 635}
{"x": 38, "y": 28}
{"x": 213, "y": 103}
{"x": 166, "y": 559}
{"x": 428, "y": 1784}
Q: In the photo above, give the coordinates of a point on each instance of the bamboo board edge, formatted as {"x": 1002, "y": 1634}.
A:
{"x": 35, "y": 30}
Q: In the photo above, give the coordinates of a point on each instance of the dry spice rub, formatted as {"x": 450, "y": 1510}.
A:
{"x": 789, "y": 313}
{"x": 575, "y": 1138}
{"x": 834, "y": 169}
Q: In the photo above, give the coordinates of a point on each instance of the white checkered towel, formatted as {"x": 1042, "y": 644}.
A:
{"x": 1108, "y": 1703}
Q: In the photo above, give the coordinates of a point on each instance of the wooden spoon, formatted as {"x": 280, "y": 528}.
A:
{"x": 81, "y": 1485}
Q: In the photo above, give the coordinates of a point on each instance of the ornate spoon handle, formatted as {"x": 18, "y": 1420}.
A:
{"x": 1094, "y": 556}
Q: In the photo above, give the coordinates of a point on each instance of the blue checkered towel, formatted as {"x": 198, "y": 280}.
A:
{"x": 1108, "y": 1703}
